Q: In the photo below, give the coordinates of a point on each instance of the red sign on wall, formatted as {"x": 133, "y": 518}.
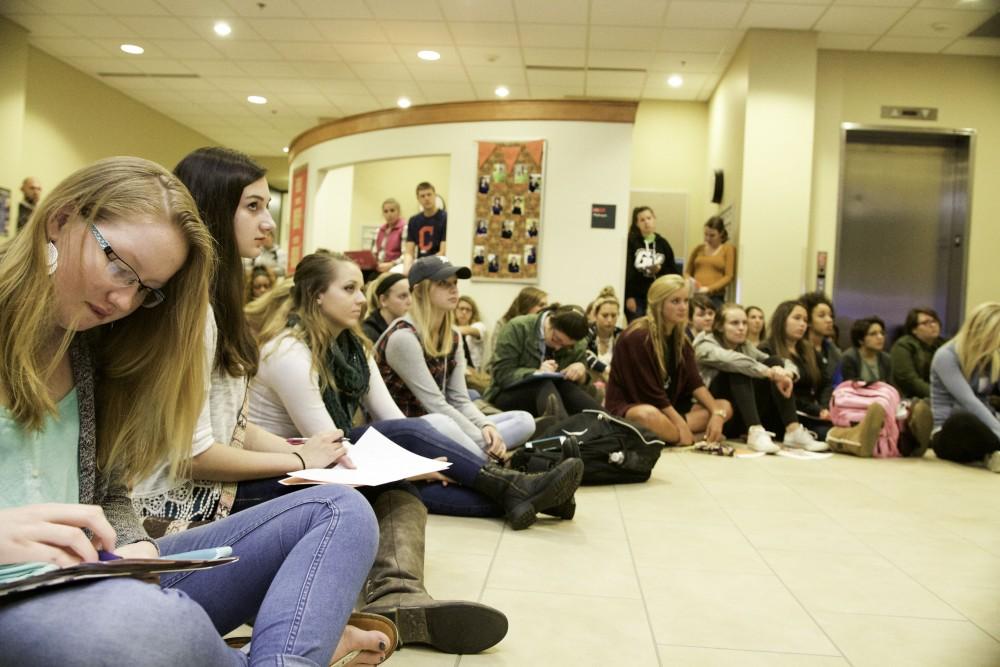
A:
{"x": 297, "y": 225}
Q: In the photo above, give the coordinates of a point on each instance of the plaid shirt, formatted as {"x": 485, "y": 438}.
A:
{"x": 438, "y": 367}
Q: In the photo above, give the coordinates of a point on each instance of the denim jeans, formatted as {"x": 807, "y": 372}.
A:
{"x": 303, "y": 559}
{"x": 515, "y": 427}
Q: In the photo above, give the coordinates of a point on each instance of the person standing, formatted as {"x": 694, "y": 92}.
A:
{"x": 32, "y": 191}
{"x": 388, "y": 248}
{"x": 712, "y": 264}
{"x": 427, "y": 231}
{"x": 648, "y": 257}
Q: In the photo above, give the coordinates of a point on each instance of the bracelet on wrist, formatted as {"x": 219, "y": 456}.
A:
{"x": 301, "y": 460}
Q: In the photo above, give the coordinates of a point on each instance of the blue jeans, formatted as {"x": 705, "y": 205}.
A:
{"x": 418, "y": 436}
{"x": 303, "y": 559}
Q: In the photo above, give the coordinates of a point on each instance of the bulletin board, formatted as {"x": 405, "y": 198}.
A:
{"x": 508, "y": 221}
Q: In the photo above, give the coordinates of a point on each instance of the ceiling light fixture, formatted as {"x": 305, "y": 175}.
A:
{"x": 222, "y": 29}
{"x": 256, "y": 99}
{"x": 403, "y": 103}
{"x": 428, "y": 55}
{"x": 133, "y": 49}
{"x": 502, "y": 91}
{"x": 285, "y": 149}
{"x": 675, "y": 81}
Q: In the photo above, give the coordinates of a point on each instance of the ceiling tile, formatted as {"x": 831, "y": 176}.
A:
{"x": 128, "y": 85}
{"x": 490, "y": 56}
{"x": 614, "y": 93}
{"x": 194, "y": 86}
{"x": 394, "y": 89}
{"x": 371, "y": 72}
{"x": 322, "y": 70}
{"x": 408, "y": 54}
{"x": 656, "y": 86}
{"x": 509, "y": 76}
{"x": 95, "y": 65}
{"x": 551, "y": 11}
{"x": 268, "y": 9}
{"x": 213, "y": 8}
{"x": 265, "y": 68}
{"x": 342, "y": 87}
{"x": 442, "y": 73}
{"x": 161, "y": 66}
{"x": 341, "y": 9}
{"x": 159, "y": 27}
{"x": 842, "y": 42}
{"x": 859, "y": 20}
{"x": 70, "y": 47}
{"x": 685, "y": 62}
{"x": 877, "y": 3}
{"x": 615, "y": 79}
{"x": 553, "y": 36}
{"x": 406, "y": 10}
{"x": 911, "y": 44}
{"x": 964, "y": 5}
{"x": 249, "y": 50}
{"x": 938, "y": 23}
{"x": 97, "y": 26}
{"x": 627, "y": 12}
{"x": 212, "y": 68}
{"x": 428, "y": 34}
{"x": 305, "y": 51}
{"x": 21, "y": 7}
{"x": 781, "y": 17}
{"x": 69, "y": 7}
{"x": 625, "y": 59}
{"x": 286, "y": 30}
{"x": 205, "y": 28}
{"x": 388, "y": 100}
{"x": 188, "y": 49}
{"x": 629, "y": 39}
{"x": 571, "y": 79}
{"x": 355, "y": 104}
{"x": 975, "y": 46}
{"x": 447, "y": 92}
{"x": 555, "y": 57}
{"x": 477, "y": 10}
{"x": 699, "y": 41}
{"x": 279, "y": 84}
{"x": 484, "y": 34}
{"x": 352, "y": 32}
{"x": 486, "y": 91}
{"x": 704, "y": 14}
{"x": 113, "y": 47}
{"x": 556, "y": 92}
{"x": 367, "y": 53}
{"x": 236, "y": 84}
{"x": 298, "y": 99}
{"x": 39, "y": 25}
{"x": 131, "y": 7}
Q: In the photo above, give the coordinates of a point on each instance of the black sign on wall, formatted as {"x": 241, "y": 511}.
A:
{"x": 602, "y": 216}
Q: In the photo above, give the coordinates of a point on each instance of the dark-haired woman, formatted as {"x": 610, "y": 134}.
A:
{"x": 912, "y": 353}
{"x": 756, "y": 326}
{"x": 712, "y": 264}
{"x": 654, "y": 380}
{"x": 388, "y": 299}
{"x": 648, "y": 257}
{"x": 866, "y": 360}
{"x": 821, "y": 336}
{"x": 551, "y": 341}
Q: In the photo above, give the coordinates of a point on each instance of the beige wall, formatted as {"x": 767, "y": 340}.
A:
{"x": 726, "y": 120}
{"x": 852, "y": 87}
{"x": 13, "y": 82}
{"x": 376, "y": 181}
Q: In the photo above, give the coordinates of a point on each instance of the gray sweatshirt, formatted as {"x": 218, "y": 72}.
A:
{"x": 746, "y": 359}
{"x": 951, "y": 390}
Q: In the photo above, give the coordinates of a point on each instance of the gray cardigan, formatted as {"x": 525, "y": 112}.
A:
{"x": 95, "y": 489}
{"x": 951, "y": 391}
{"x": 746, "y": 359}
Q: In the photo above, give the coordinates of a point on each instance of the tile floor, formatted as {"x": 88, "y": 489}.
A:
{"x": 720, "y": 561}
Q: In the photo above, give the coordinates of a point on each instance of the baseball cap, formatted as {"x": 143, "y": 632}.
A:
{"x": 436, "y": 268}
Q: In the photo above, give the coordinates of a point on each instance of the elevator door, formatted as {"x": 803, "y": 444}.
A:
{"x": 902, "y": 228}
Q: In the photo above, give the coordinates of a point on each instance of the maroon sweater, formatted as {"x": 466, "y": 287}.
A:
{"x": 635, "y": 376}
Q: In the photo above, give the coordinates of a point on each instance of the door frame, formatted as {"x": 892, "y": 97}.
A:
{"x": 956, "y": 310}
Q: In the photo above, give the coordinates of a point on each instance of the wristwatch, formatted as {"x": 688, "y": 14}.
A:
{"x": 719, "y": 413}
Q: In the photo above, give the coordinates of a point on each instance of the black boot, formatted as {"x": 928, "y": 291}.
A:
{"x": 566, "y": 511}
{"x": 523, "y": 494}
{"x": 395, "y": 586}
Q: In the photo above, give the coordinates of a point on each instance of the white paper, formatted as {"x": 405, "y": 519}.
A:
{"x": 377, "y": 461}
{"x": 803, "y": 455}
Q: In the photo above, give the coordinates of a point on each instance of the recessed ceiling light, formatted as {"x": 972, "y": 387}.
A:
{"x": 502, "y": 91}
{"x": 403, "y": 103}
{"x": 133, "y": 49}
{"x": 256, "y": 99}
{"x": 428, "y": 55}
{"x": 285, "y": 149}
{"x": 222, "y": 29}
{"x": 675, "y": 81}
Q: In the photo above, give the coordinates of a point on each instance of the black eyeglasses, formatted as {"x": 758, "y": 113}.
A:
{"x": 123, "y": 275}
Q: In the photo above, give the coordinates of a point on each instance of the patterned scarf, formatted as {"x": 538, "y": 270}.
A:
{"x": 347, "y": 364}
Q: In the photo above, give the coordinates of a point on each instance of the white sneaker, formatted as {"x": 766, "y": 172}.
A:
{"x": 992, "y": 461}
{"x": 803, "y": 438}
{"x": 760, "y": 440}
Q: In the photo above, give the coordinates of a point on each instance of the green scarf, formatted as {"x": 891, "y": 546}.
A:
{"x": 347, "y": 364}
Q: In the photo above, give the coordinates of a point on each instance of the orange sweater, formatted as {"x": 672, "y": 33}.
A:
{"x": 712, "y": 271}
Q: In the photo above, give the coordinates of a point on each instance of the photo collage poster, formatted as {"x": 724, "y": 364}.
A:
{"x": 508, "y": 220}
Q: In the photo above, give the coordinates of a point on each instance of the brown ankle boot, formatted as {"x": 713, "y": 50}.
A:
{"x": 858, "y": 440}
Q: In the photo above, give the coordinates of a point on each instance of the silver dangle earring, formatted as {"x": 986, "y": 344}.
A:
{"x": 53, "y": 257}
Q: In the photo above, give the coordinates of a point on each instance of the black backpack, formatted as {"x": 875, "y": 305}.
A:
{"x": 613, "y": 450}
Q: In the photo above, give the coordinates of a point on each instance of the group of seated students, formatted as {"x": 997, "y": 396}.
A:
{"x": 150, "y": 407}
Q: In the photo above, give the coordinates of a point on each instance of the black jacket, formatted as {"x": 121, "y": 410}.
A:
{"x": 637, "y": 282}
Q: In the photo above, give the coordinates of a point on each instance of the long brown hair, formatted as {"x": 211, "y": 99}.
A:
{"x": 662, "y": 289}
{"x": 437, "y": 341}
{"x": 777, "y": 341}
{"x": 526, "y": 299}
{"x": 151, "y": 382}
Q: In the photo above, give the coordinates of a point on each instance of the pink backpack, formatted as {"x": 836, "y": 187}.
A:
{"x": 850, "y": 401}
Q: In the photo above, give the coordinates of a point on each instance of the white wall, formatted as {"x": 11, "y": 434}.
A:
{"x": 328, "y": 209}
{"x": 586, "y": 163}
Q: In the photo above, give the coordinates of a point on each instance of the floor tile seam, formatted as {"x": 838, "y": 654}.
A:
{"x": 753, "y": 650}
{"x": 908, "y": 617}
{"x": 638, "y": 581}
{"x": 594, "y": 596}
{"x": 790, "y": 592}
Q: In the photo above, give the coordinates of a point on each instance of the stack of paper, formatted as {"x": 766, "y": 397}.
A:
{"x": 377, "y": 461}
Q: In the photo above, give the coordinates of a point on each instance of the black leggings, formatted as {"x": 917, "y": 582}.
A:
{"x": 964, "y": 439}
{"x": 755, "y": 401}
{"x": 534, "y": 396}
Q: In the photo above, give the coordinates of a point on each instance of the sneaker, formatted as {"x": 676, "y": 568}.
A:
{"x": 803, "y": 438}
{"x": 992, "y": 461}
{"x": 760, "y": 440}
